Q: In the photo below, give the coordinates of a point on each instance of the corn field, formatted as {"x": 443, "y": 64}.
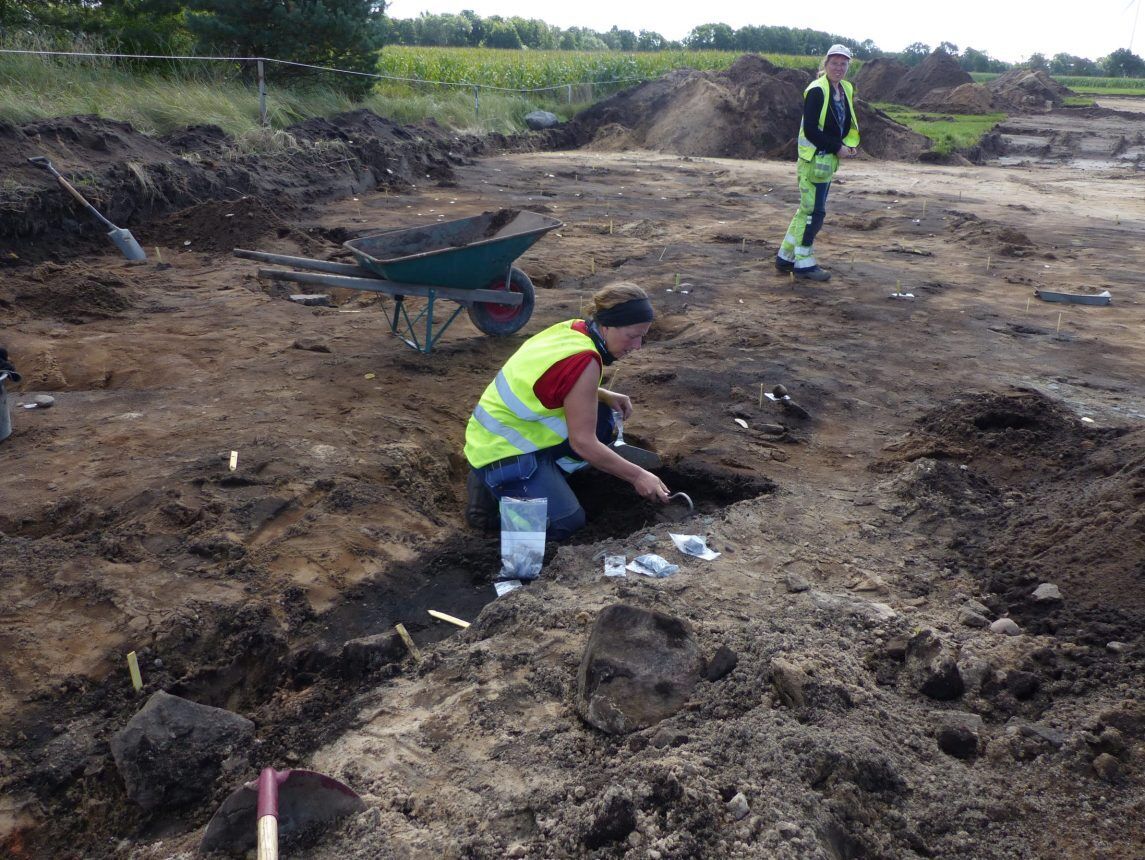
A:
{"x": 535, "y": 70}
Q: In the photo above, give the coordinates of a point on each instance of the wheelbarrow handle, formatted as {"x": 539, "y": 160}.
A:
{"x": 46, "y": 164}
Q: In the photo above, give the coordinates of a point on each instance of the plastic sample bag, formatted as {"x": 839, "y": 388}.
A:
{"x": 523, "y": 523}
{"x": 652, "y": 565}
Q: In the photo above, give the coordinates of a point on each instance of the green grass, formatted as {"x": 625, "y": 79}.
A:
{"x": 950, "y": 132}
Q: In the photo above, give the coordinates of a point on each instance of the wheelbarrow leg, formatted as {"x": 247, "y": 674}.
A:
{"x": 397, "y": 312}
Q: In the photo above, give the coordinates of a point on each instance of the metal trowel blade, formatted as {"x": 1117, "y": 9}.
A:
{"x": 641, "y": 457}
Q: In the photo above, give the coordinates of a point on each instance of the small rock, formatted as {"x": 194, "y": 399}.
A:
{"x": 958, "y": 741}
{"x": 970, "y": 618}
{"x": 977, "y": 606}
{"x": 310, "y": 345}
{"x": 1047, "y": 592}
{"x": 312, "y": 299}
{"x": 738, "y": 807}
{"x": 1050, "y": 735}
{"x": 789, "y": 681}
{"x": 722, "y": 662}
{"x": 44, "y": 401}
{"x": 1107, "y": 767}
{"x": 787, "y": 829}
{"x": 1022, "y": 684}
{"x": 795, "y": 583}
{"x": 1006, "y": 626}
{"x": 1116, "y": 647}
{"x": 516, "y": 850}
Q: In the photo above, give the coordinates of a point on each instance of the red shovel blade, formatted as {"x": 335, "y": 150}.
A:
{"x": 300, "y": 799}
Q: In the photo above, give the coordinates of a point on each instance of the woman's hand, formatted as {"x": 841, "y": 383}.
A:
{"x": 621, "y": 403}
{"x": 849, "y": 151}
{"x": 650, "y": 487}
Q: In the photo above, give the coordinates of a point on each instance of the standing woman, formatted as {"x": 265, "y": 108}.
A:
{"x": 545, "y": 414}
{"x": 829, "y": 130}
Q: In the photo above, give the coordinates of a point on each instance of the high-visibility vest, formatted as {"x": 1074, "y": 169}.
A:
{"x": 806, "y": 148}
{"x": 509, "y": 419}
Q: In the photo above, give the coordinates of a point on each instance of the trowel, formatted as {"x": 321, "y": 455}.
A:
{"x": 641, "y": 457}
{"x": 122, "y": 238}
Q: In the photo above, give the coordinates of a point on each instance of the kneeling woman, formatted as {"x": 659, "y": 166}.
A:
{"x": 546, "y": 415}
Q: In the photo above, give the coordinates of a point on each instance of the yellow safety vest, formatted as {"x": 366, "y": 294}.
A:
{"x": 509, "y": 419}
{"x": 806, "y": 147}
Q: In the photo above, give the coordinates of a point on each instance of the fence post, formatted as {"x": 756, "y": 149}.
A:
{"x": 261, "y": 94}
{"x": 477, "y": 101}
{"x": 570, "y": 94}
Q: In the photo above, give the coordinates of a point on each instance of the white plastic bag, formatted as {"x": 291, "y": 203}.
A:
{"x": 693, "y": 545}
{"x": 523, "y": 523}
{"x": 652, "y": 565}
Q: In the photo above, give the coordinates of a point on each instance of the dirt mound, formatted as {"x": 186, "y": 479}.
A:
{"x": 1029, "y": 89}
{"x": 752, "y": 110}
{"x": 219, "y": 225}
{"x": 1055, "y": 501}
{"x": 878, "y": 79}
{"x": 937, "y": 84}
{"x": 931, "y": 80}
{"x": 135, "y": 179}
{"x": 964, "y": 99}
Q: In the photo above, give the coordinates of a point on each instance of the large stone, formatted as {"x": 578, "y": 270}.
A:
{"x": 540, "y": 119}
{"x": 639, "y": 667}
{"x": 172, "y": 751}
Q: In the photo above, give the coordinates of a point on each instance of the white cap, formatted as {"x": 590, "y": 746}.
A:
{"x": 842, "y": 50}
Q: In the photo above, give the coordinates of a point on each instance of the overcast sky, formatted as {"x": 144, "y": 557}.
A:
{"x": 1008, "y": 30}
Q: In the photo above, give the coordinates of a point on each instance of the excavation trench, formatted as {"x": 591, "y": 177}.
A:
{"x": 296, "y": 679}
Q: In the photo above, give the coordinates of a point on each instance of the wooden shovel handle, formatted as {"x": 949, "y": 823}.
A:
{"x": 268, "y": 814}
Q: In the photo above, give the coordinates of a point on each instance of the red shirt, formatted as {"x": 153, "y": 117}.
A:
{"x": 556, "y": 382}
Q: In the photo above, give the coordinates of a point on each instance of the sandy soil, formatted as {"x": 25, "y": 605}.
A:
{"x": 967, "y": 443}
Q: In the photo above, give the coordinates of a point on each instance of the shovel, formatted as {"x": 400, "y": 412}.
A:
{"x": 122, "y": 238}
{"x": 279, "y": 801}
{"x": 641, "y": 457}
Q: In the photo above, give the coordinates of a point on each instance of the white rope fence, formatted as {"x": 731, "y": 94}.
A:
{"x": 260, "y": 61}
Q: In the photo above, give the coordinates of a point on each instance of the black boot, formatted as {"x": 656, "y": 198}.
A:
{"x": 481, "y": 508}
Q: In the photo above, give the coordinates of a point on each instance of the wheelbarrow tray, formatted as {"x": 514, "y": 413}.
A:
{"x": 468, "y": 253}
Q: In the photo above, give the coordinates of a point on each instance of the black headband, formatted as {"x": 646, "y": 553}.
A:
{"x": 631, "y": 312}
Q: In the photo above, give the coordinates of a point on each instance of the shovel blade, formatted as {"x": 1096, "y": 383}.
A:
{"x": 305, "y": 799}
{"x": 126, "y": 243}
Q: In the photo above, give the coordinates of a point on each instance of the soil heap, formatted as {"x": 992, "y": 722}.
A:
{"x": 1029, "y": 90}
{"x": 939, "y": 84}
{"x": 752, "y": 110}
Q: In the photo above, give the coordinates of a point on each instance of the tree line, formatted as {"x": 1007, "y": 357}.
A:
{"x": 347, "y": 34}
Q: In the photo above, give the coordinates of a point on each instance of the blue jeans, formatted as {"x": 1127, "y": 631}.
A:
{"x": 538, "y": 476}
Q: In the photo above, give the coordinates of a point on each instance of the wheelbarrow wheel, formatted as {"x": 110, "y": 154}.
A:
{"x": 501, "y": 320}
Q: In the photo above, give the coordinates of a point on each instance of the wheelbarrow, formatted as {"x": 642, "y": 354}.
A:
{"x": 468, "y": 261}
